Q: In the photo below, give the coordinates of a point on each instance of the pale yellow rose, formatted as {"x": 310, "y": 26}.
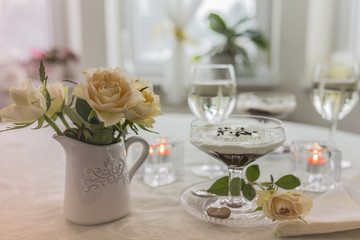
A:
{"x": 143, "y": 113}
{"x": 58, "y": 94}
{"x": 280, "y": 205}
{"x": 109, "y": 92}
{"x": 30, "y": 104}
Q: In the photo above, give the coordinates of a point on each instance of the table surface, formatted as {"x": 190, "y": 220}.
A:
{"x": 32, "y": 171}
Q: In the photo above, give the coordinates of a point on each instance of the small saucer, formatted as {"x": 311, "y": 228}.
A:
{"x": 197, "y": 205}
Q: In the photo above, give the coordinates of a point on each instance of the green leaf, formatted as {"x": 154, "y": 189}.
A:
{"x": 102, "y": 137}
{"x": 75, "y": 117}
{"x": 235, "y": 187}
{"x": 42, "y": 73}
{"x": 242, "y": 53}
{"x": 242, "y": 184}
{"x": 249, "y": 192}
{"x": 17, "y": 126}
{"x": 48, "y": 98}
{"x": 253, "y": 173}
{"x": 258, "y": 209}
{"x": 288, "y": 182}
{"x": 83, "y": 108}
{"x": 146, "y": 129}
{"x": 91, "y": 116}
{"x": 70, "y": 81}
{"x": 241, "y": 21}
{"x": 220, "y": 187}
{"x": 134, "y": 128}
{"x": 257, "y": 38}
{"x": 217, "y": 24}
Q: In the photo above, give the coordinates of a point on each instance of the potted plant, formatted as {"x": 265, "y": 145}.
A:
{"x": 237, "y": 39}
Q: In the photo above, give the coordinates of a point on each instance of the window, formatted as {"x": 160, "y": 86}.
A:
{"x": 24, "y": 26}
{"x": 146, "y": 34}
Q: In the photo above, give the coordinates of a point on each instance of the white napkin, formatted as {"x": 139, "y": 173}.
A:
{"x": 334, "y": 211}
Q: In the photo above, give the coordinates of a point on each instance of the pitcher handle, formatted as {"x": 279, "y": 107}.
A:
{"x": 141, "y": 158}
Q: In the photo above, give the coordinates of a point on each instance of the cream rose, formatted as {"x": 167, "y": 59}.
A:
{"x": 279, "y": 205}
{"x": 30, "y": 104}
{"x": 109, "y": 92}
{"x": 143, "y": 113}
{"x": 58, "y": 94}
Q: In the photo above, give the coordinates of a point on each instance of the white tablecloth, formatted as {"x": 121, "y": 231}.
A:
{"x": 32, "y": 185}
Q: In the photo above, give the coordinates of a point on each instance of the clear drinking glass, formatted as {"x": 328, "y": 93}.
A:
{"x": 237, "y": 141}
{"x": 212, "y": 97}
{"x": 335, "y": 92}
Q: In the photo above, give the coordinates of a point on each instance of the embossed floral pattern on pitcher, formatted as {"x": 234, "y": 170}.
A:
{"x": 110, "y": 171}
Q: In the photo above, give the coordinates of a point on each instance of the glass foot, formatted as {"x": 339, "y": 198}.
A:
{"x": 197, "y": 206}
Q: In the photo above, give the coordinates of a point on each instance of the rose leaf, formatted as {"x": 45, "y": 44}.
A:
{"x": 249, "y": 192}
{"x": 253, "y": 173}
{"x": 288, "y": 182}
{"x": 220, "y": 187}
{"x": 235, "y": 187}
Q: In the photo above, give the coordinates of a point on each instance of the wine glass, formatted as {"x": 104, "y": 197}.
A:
{"x": 335, "y": 94}
{"x": 212, "y": 97}
{"x": 237, "y": 141}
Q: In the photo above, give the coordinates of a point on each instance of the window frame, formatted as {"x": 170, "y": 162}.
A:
{"x": 152, "y": 71}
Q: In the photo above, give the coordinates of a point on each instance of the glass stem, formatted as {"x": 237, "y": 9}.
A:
{"x": 235, "y": 198}
{"x": 332, "y": 132}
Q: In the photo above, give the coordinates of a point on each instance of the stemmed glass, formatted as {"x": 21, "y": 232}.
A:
{"x": 335, "y": 94}
{"x": 212, "y": 97}
{"x": 237, "y": 141}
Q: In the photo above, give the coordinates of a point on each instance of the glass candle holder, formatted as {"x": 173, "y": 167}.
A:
{"x": 317, "y": 165}
{"x": 165, "y": 163}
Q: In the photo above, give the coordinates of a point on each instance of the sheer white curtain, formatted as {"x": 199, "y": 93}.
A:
{"x": 177, "y": 69}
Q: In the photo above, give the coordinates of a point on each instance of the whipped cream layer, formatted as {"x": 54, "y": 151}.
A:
{"x": 237, "y": 140}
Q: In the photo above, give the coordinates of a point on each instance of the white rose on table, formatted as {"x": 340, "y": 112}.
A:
{"x": 30, "y": 104}
{"x": 109, "y": 92}
{"x": 144, "y": 112}
{"x": 280, "y": 205}
{"x": 58, "y": 94}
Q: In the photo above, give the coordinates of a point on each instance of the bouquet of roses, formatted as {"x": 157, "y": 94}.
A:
{"x": 102, "y": 109}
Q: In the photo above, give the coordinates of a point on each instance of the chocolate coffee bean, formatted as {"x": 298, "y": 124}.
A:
{"x": 222, "y": 213}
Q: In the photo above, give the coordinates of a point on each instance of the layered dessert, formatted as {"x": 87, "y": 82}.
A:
{"x": 236, "y": 145}
{"x": 266, "y": 104}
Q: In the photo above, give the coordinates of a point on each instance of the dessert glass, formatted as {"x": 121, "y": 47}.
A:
{"x": 237, "y": 141}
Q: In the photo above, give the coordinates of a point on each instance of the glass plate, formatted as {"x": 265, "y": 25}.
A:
{"x": 196, "y": 206}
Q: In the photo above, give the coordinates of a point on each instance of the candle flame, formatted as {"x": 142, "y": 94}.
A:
{"x": 315, "y": 157}
{"x": 162, "y": 149}
{"x": 151, "y": 150}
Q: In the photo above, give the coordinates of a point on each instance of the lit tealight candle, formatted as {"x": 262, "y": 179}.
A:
{"x": 315, "y": 162}
{"x": 151, "y": 150}
{"x": 163, "y": 150}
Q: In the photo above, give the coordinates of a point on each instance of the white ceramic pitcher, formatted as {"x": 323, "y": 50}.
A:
{"x": 97, "y": 182}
